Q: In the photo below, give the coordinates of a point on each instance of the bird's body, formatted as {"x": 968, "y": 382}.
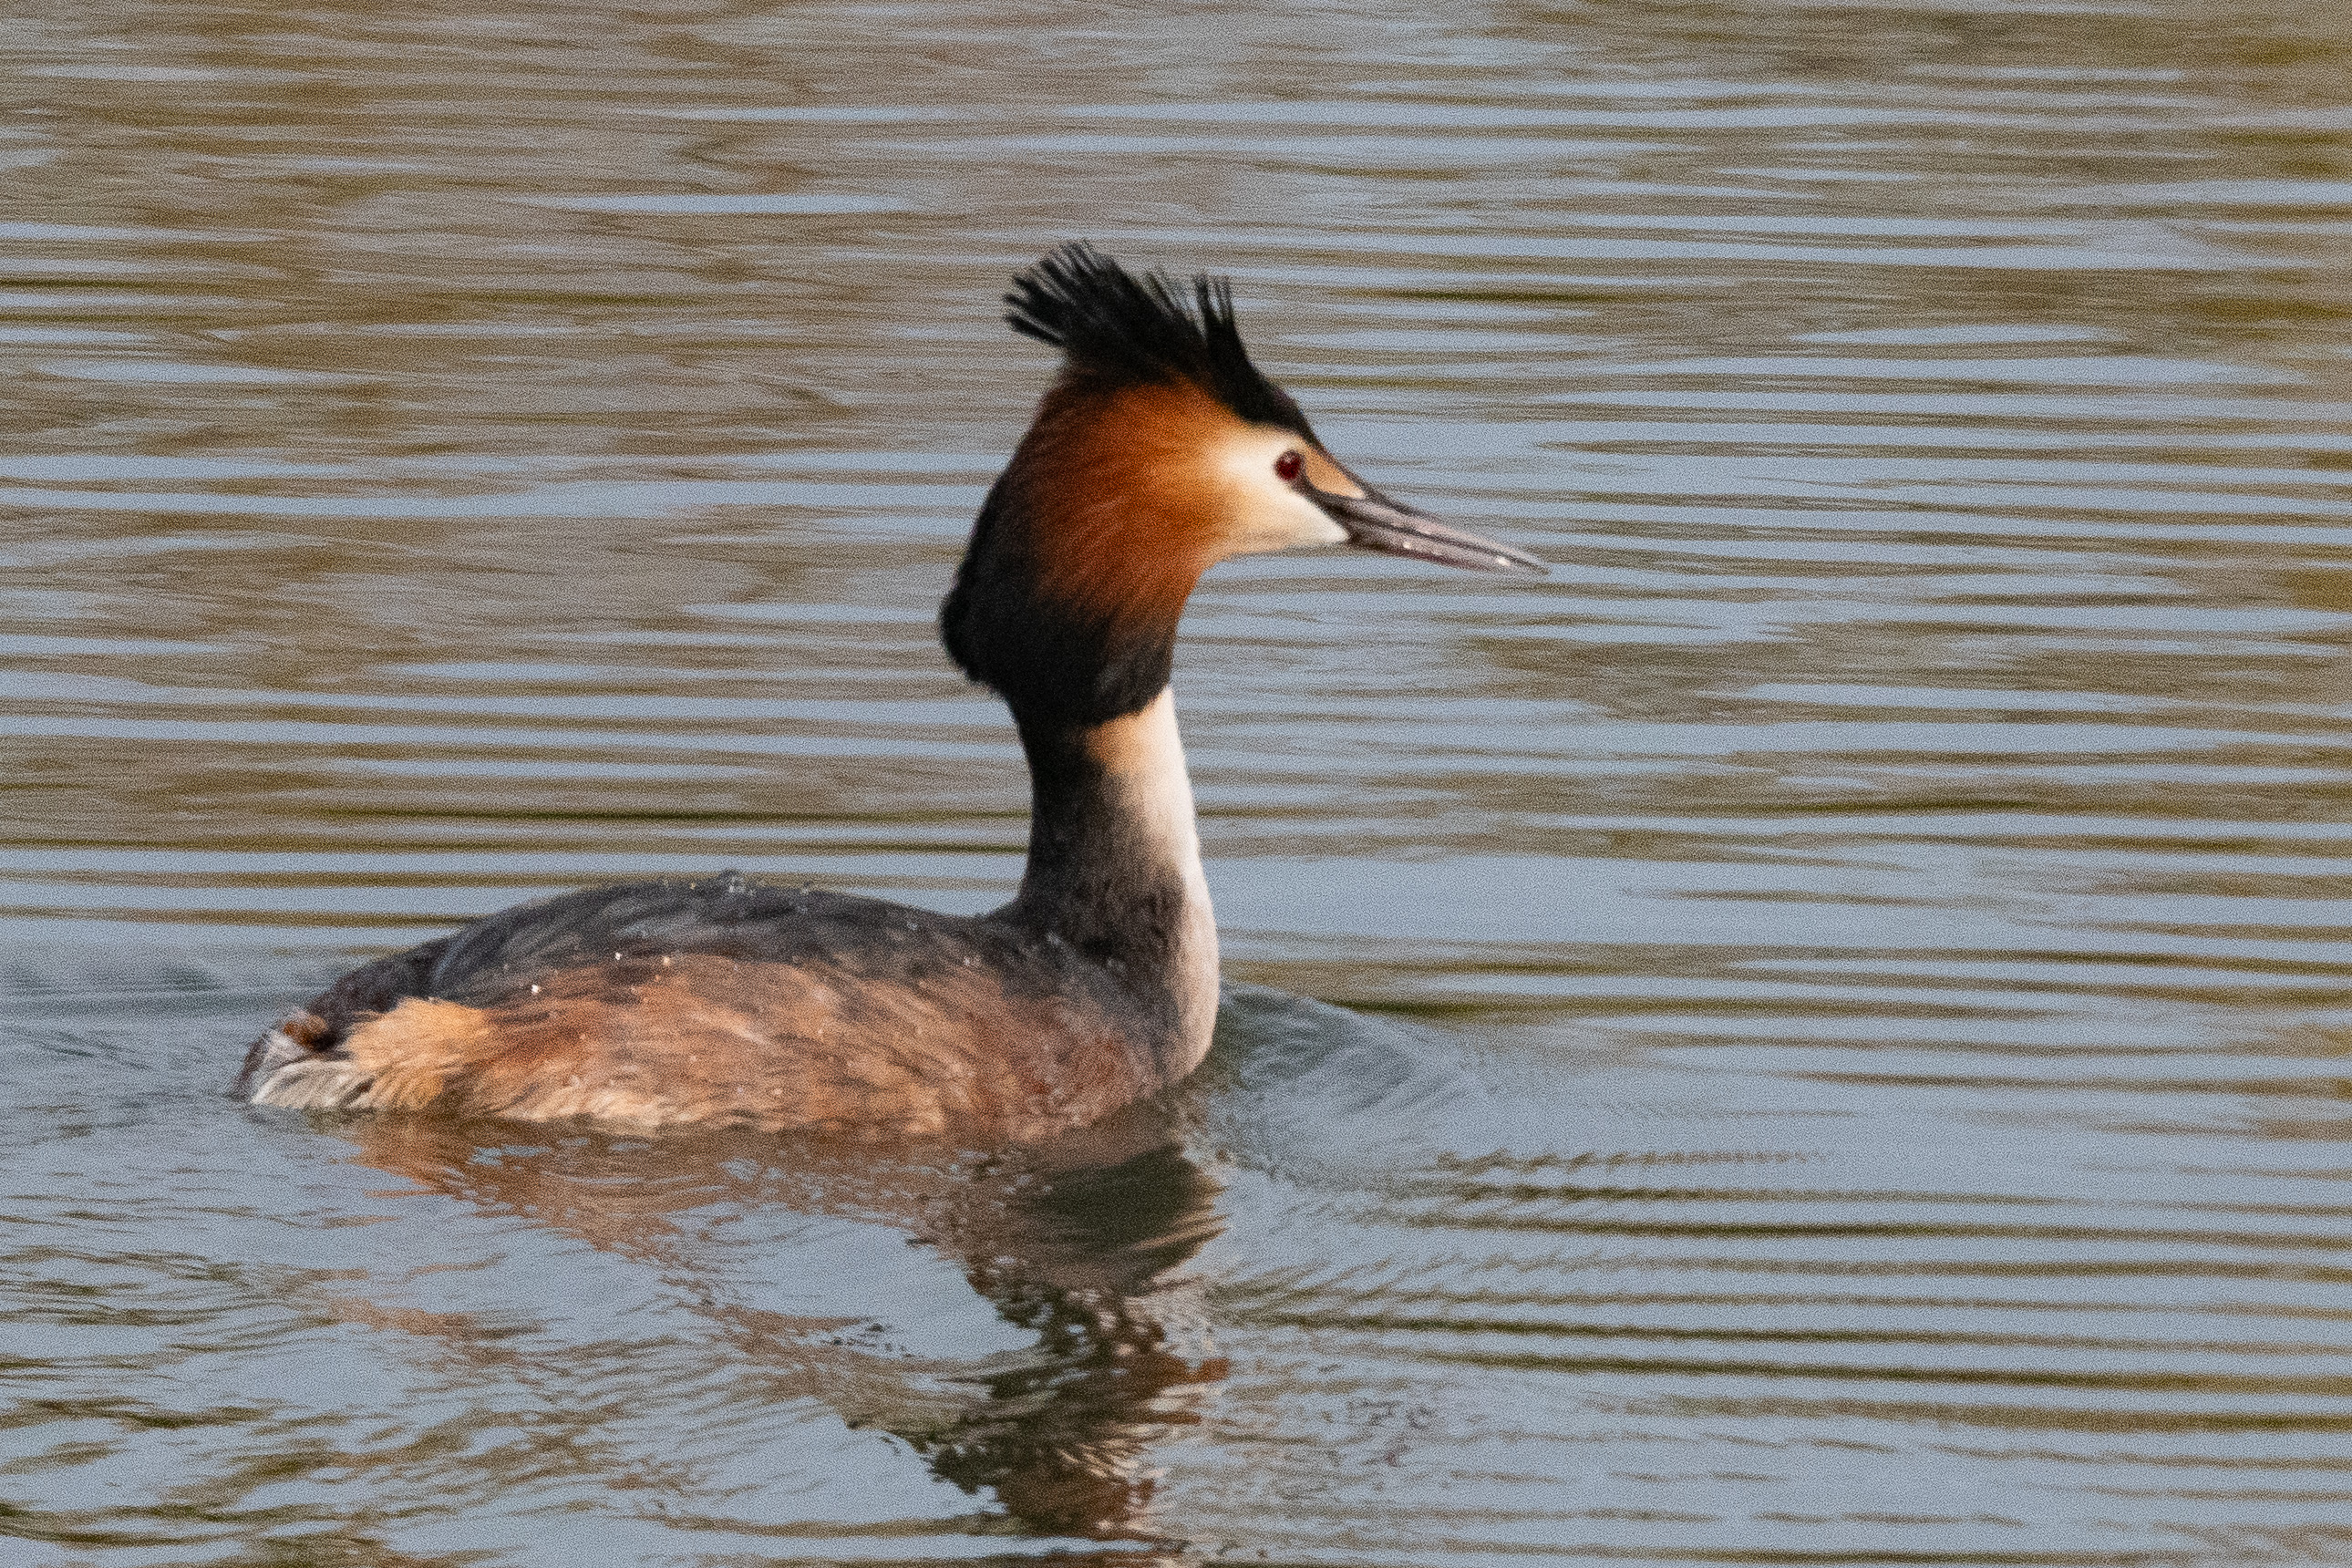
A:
{"x": 739, "y": 1000}
{"x": 1157, "y": 451}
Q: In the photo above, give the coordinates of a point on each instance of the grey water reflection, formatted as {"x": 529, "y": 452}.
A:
{"x": 1072, "y": 1245}
{"x": 1828, "y": 1037}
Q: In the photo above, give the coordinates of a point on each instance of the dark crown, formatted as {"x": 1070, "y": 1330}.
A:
{"x": 1116, "y": 326}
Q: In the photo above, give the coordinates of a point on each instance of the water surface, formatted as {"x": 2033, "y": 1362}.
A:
{"x": 1815, "y": 1034}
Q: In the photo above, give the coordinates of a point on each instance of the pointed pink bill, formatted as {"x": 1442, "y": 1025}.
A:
{"x": 1375, "y": 522}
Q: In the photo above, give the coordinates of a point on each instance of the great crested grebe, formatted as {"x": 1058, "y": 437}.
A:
{"x": 1159, "y": 450}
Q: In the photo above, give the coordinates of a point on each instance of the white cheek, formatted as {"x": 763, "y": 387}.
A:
{"x": 1261, "y": 512}
{"x": 1284, "y": 520}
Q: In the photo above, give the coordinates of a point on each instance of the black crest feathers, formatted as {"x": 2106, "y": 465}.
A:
{"x": 1113, "y": 324}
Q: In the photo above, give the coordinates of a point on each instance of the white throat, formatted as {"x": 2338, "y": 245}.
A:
{"x": 1144, "y": 753}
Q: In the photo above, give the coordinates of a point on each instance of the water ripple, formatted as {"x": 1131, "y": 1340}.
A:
{"x": 1833, "y": 1044}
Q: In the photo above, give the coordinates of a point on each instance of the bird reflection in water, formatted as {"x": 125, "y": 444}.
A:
{"x": 1077, "y": 1243}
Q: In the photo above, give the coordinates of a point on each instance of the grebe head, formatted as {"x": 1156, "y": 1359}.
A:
{"x": 1157, "y": 451}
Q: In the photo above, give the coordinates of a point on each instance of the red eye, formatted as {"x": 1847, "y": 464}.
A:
{"x": 1286, "y": 466}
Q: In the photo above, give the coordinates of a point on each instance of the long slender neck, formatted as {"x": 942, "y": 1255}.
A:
{"x": 1115, "y": 863}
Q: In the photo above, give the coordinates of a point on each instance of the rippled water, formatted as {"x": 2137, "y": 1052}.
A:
{"x": 1828, "y": 1037}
